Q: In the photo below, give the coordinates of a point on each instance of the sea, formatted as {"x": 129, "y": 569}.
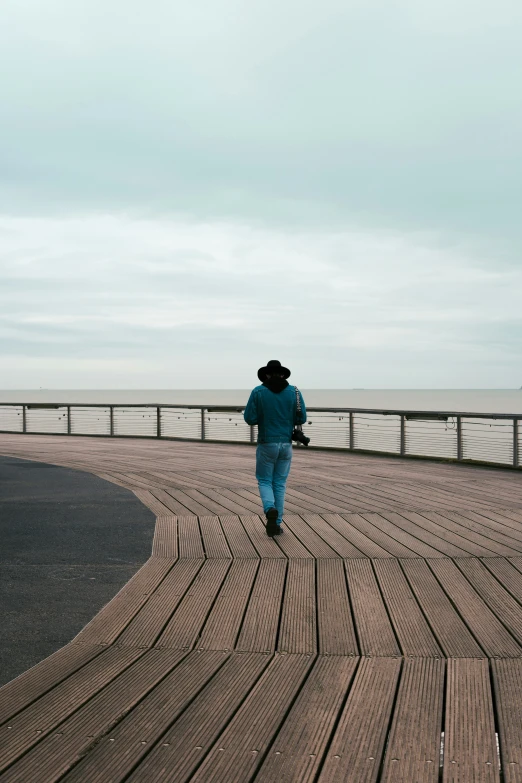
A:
{"x": 448, "y": 400}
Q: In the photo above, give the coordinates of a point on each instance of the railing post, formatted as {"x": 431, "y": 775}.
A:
{"x": 24, "y": 419}
{"x": 351, "y": 434}
{"x": 515, "y": 443}
{"x": 459, "y": 438}
{"x": 68, "y": 420}
{"x": 111, "y": 415}
{"x": 403, "y": 436}
{"x": 202, "y": 423}
{"x": 252, "y": 434}
{"x": 158, "y": 421}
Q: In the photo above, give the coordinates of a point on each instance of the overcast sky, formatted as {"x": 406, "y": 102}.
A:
{"x": 189, "y": 189}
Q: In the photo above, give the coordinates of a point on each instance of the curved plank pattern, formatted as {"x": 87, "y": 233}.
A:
{"x": 379, "y": 638}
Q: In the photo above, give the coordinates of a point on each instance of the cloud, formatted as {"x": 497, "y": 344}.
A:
{"x": 190, "y": 188}
{"x": 397, "y": 114}
{"x": 157, "y": 293}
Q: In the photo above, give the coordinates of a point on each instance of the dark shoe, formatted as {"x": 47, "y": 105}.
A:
{"x": 278, "y": 530}
{"x": 271, "y": 521}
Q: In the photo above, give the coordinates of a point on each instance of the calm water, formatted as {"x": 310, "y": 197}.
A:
{"x": 451, "y": 400}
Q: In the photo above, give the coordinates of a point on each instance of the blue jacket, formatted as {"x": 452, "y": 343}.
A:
{"x": 275, "y": 414}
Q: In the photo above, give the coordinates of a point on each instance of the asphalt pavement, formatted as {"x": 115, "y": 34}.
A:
{"x": 68, "y": 542}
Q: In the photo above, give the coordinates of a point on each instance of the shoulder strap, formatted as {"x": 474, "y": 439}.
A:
{"x": 297, "y": 401}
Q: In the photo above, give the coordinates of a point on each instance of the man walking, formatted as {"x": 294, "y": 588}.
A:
{"x": 276, "y": 407}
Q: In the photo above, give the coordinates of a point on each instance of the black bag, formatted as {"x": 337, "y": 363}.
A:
{"x": 298, "y": 434}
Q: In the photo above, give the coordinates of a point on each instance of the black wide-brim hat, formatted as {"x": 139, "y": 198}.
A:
{"x": 273, "y": 368}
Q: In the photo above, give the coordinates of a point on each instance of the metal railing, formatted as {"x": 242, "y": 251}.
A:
{"x": 470, "y": 437}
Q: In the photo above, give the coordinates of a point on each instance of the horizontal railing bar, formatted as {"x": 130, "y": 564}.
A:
{"x": 488, "y": 438}
{"x": 437, "y": 415}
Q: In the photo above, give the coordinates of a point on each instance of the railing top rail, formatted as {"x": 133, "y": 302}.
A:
{"x": 238, "y": 408}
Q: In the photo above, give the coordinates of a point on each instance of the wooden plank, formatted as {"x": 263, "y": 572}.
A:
{"x": 48, "y": 761}
{"x": 131, "y": 481}
{"x": 123, "y": 747}
{"x": 371, "y": 497}
{"x": 113, "y": 480}
{"x": 347, "y": 497}
{"x": 47, "y": 674}
{"x": 490, "y": 633}
{"x": 298, "y": 630}
{"x": 419, "y": 495}
{"x": 298, "y": 749}
{"x": 374, "y": 630}
{"x": 358, "y": 743}
{"x": 470, "y": 752}
{"x": 507, "y": 520}
{"x": 507, "y": 575}
{"x": 208, "y": 501}
{"x": 148, "y": 499}
{"x": 150, "y": 621}
{"x": 485, "y": 496}
{"x": 145, "y": 482}
{"x": 307, "y": 502}
{"x": 189, "y": 538}
{"x": 168, "y": 479}
{"x": 32, "y": 724}
{"x": 494, "y": 541}
{"x": 422, "y": 520}
{"x": 507, "y": 680}
{"x": 360, "y": 541}
{"x": 510, "y": 514}
{"x": 493, "y": 491}
{"x": 451, "y": 632}
{"x": 165, "y": 543}
{"x": 214, "y": 540}
{"x": 422, "y": 528}
{"x": 252, "y": 496}
{"x": 413, "y": 749}
{"x": 192, "y": 506}
{"x": 152, "y": 479}
{"x": 231, "y": 504}
{"x": 217, "y": 478}
{"x": 117, "y": 614}
{"x": 333, "y": 538}
{"x": 238, "y": 541}
{"x": 261, "y": 622}
{"x": 183, "y": 628}
{"x": 264, "y": 545}
{"x": 248, "y": 505}
{"x": 412, "y": 630}
{"x": 224, "y": 621}
{"x": 169, "y": 502}
{"x": 238, "y": 752}
{"x": 178, "y": 753}
{"x": 314, "y": 543}
{"x": 441, "y": 496}
{"x": 487, "y": 522}
{"x": 377, "y": 497}
{"x": 516, "y": 562}
{"x": 414, "y": 543}
{"x": 507, "y": 610}
{"x": 290, "y": 544}
{"x": 391, "y": 545}
{"x": 334, "y": 615}
{"x": 478, "y": 545}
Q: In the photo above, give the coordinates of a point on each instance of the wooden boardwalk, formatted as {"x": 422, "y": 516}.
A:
{"x": 379, "y": 637}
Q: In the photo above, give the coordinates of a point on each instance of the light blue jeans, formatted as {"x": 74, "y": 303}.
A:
{"x": 273, "y": 461}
